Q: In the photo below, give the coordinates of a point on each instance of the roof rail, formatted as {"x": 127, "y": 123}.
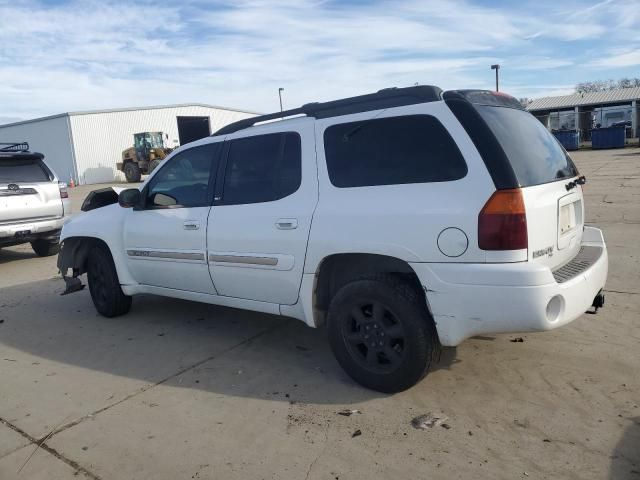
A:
{"x": 386, "y": 98}
{"x": 14, "y": 147}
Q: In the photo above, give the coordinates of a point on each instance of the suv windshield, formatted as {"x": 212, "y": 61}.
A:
{"x": 13, "y": 170}
{"x": 535, "y": 155}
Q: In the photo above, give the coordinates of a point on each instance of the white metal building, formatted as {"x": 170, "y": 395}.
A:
{"x": 86, "y": 146}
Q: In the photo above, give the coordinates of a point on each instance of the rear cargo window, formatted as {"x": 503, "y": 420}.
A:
{"x": 535, "y": 155}
{"x": 391, "y": 151}
{"x": 22, "y": 171}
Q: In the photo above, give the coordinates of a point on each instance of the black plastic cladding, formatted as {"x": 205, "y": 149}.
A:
{"x": 387, "y": 98}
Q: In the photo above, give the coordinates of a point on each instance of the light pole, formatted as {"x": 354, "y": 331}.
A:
{"x": 280, "y": 90}
{"x": 496, "y": 67}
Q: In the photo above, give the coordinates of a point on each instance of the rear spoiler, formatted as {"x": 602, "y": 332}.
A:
{"x": 18, "y": 150}
{"x": 484, "y": 97}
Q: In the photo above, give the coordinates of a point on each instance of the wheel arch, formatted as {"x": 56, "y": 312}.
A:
{"x": 338, "y": 269}
{"x": 74, "y": 253}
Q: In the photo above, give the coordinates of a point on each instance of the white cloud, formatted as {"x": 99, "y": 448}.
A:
{"x": 618, "y": 59}
{"x": 92, "y": 54}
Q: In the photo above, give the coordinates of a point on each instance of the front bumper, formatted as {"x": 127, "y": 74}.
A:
{"x": 474, "y": 299}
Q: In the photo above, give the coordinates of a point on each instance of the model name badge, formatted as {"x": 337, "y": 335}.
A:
{"x": 543, "y": 252}
{"x": 138, "y": 253}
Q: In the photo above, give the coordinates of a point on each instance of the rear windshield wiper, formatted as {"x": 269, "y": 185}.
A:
{"x": 578, "y": 181}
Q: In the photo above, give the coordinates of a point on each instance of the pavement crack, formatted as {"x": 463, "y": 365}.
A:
{"x": 324, "y": 447}
{"x": 622, "y": 291}
{"x": 148, "y": 387}
{"x": 50, "y": 450}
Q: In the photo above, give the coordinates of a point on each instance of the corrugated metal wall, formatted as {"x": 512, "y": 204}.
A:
{"x": 100, "y": 138}
{"x": 48, "y": 136}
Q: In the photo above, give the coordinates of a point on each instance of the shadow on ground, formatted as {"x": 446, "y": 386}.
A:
{"x": 625, "y": 458}
{"x": 224, "y": 350}
{"x": 13, "y": 255}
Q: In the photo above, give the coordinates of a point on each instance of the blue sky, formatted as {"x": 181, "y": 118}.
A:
{"x": 58, "y": 56}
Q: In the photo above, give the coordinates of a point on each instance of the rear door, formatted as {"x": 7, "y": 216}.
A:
{"x": 28, "y": 191}
{"x": 260, "y": 222}
{"x": 545, "y": 172}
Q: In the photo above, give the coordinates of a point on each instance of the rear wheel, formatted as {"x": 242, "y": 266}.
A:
{"x": 132, "y": 172}
{"x": 381, "y": 333}
{"x": 104, "y": 285}
{"x": 45, "y": 248}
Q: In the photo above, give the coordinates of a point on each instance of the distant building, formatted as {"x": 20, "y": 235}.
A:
{"x": 85, "y": 146}
{"x": 585, "y": 111}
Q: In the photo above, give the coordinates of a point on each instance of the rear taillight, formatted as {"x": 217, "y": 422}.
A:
{"x": 502, "y": 223}
{"x": 63, "y": 190}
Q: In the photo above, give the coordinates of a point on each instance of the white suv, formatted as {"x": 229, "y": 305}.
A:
{"x": 33, "y": 203}
{"x": 403, "y": 220}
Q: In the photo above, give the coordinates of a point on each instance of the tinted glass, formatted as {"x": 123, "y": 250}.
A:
{"x": 395, "y": 150}
{"x": 263, "y": 168}
{"x": 184, "y": 179}
{"x": 534, "y": 153}
{"x": 16, "y": 171}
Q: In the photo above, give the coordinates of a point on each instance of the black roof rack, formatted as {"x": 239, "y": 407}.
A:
{"x": 14, "y": 147}
{"x": 387, "y": 98}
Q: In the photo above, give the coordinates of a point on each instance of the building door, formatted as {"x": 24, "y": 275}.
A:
{"x": 191, "y": 129}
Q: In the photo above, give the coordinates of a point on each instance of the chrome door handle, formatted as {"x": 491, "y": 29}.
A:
{"x": 287, "y": 224}
{"x": 191, "y": 225}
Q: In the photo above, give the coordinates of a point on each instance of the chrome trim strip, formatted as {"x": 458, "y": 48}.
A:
{"x": 166, "y": 255}
{"x": 252, "y": 260}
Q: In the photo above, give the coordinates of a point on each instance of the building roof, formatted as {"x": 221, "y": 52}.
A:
{"x": 619, "y": 95}
{"x": 129, "y": 109}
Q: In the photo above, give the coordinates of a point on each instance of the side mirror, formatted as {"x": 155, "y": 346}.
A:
{"x": 129, "y": 198}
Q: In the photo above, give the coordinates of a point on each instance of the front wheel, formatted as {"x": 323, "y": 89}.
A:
{"x": 381, "y": 333}
{"x": 132, "y": 172}
{"x": 104, "y": 285}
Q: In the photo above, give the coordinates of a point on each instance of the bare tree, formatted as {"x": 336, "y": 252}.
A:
{"x": 525, "y": 101}
{"x": 605, "y": 85}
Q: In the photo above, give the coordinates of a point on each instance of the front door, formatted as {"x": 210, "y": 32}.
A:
{"x": 165, "y": 239}
{"x": 259, "y": 227}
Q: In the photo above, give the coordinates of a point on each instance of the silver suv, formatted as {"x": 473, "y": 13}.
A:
{"x": 33, "y": 203}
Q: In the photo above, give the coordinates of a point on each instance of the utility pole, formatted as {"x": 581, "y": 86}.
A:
{"x": 496, "y": 67}
{"x": 280, "y": 90}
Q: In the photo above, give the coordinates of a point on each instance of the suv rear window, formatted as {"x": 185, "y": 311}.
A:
{"x": 393, "y": 150}
{"x": 533, "y": 152}
{"x": 14, "y": 170}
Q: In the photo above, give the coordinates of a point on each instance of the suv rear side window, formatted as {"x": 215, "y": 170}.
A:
{"x": 394, "y": 150}
{"x": 19, "y": 170}
{"x": 262, "y": 168}
{"x": 534, "y": 154}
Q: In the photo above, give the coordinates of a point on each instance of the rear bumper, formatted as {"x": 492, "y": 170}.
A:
{"x": 28, "y": 230}
{"x": 474, "y": 299}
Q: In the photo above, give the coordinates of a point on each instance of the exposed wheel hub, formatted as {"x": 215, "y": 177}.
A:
{"x": 374, "y": 336}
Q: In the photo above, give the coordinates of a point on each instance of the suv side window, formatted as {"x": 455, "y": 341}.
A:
{"x": 390, "y": 151}
{"x": 262, "y": 168}
{"x": 185, "y": 179}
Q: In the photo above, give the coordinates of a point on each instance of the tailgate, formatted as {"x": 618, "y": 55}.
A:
{"x": 27, "y": 191}
{"x": 555, "y": 221}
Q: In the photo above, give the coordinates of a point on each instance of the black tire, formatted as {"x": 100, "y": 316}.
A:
{"x": 154, "y": 164}
{"x": 45, "y": 248}
{"x": 104, "y": 285}
{"x": 132, "y": 172}
{"x": 392, "y": 315}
